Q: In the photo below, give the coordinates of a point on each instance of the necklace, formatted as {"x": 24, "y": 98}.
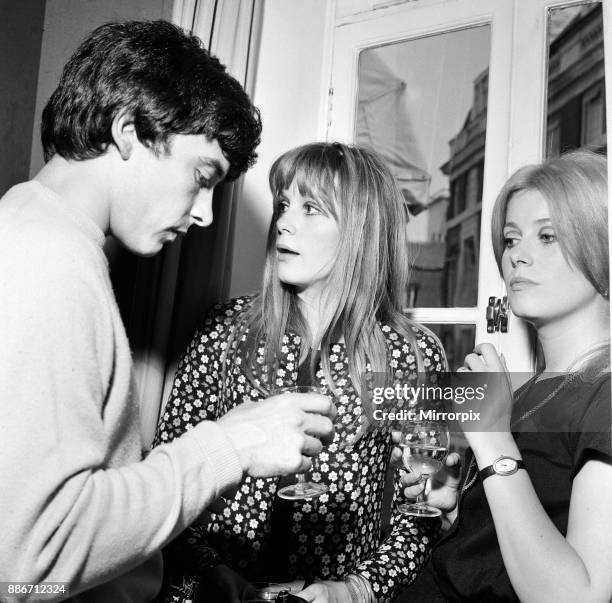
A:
{"x": 526, "y": 387}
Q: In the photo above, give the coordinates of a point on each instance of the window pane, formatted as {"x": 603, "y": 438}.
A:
{"x": 458, "y": 341}
{"x": 576, "y": 110}
{"x": 422, "y": 104}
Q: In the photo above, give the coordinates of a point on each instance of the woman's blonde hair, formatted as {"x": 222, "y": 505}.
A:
{"x": 368, "y": 282}
{"x": 575, "y": 187}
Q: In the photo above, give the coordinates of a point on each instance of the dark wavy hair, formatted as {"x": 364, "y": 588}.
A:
{"x": 164, "y": 78}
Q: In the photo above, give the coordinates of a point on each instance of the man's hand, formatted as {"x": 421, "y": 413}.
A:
{"x": 223, "y": 585}
{"x": 278, "y": 436}
{"x": 327, "y": 591}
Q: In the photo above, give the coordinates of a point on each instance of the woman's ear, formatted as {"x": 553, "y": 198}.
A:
{"x": 124, "y": 135}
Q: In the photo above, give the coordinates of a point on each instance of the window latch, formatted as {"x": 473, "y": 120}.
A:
{"x": 497, "y": 315}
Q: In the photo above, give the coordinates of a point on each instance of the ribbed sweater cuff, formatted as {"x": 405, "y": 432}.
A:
{"x": 217, "y": 453}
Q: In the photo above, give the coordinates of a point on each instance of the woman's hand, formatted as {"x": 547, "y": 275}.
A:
{"x": 495, "y": 409}
{"x": 327, "y": 591}
{"x": 443, "y": 486}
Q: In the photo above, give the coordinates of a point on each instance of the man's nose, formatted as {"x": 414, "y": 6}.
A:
{"x": 202, "y": 212}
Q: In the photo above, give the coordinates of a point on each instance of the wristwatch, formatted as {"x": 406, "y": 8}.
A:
{"x": 503, "y": 465}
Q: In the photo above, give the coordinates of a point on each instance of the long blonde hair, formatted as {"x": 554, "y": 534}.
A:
{"x": 368, "y": 282}
{"x": 575, "y": 187}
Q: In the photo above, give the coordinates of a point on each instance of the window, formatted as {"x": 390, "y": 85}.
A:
{"x": 594, "y": 118}
{"x": 520, "y": 106}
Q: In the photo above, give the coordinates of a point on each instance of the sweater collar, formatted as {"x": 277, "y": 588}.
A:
{"x": 89, "y": 228}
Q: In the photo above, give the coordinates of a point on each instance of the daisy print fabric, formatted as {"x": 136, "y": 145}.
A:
{"x": 258, "y": 534}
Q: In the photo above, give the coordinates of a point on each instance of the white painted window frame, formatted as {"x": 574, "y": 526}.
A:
{"x": 516, "y": 119}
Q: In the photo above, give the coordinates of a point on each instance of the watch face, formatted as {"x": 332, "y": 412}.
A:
{"x": 505, "y": 466}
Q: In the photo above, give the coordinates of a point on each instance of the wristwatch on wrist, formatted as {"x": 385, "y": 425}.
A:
{"x": 502, "y": 465}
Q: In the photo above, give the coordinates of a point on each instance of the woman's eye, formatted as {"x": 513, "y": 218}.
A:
{"x": 510, "y": 242}
{"x": 311, "y": 210}
{"x": 282, "y": 206}
{"x": 548, "y": 237}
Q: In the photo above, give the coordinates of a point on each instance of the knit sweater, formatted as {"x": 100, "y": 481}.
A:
{"x": 77, "y": 504}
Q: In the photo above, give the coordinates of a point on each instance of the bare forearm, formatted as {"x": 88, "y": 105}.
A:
{"x": 541, "y": 563}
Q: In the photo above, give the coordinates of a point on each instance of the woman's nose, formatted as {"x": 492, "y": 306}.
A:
{"x": 285, "y": 223}
{"x": 520, "y": 253}
{"x": 285, "y": 227}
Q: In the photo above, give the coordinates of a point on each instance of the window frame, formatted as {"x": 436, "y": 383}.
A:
{"x": 516, "y": 119}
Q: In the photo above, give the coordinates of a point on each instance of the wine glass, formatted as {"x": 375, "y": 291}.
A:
{"x": 266, "y": 591}
{"x": 350, "y": 432}
{"x": 424, "y": 445}
{"x": 302, "y": 488}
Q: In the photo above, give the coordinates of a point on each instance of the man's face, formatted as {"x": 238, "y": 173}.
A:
{"x": 162, "y": 195}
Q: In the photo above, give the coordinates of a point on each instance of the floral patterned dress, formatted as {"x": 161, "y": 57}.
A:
{"x": 261, "y": 536}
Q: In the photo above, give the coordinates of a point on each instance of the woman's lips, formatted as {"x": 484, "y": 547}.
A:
{"x": 519, "y": 283}
{"x": 286, "y": 250}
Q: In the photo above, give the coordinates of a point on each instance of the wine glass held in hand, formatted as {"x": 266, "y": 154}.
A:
{"x": 303, "y": 488}
{"x": 425, "y": 446}
{"x": 261, "y": 592}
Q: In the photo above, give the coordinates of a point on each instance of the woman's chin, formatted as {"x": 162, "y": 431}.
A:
{"x": 290, "y": 284}
{"x": 524, "y": 311}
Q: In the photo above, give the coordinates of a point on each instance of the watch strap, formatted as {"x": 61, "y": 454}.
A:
{"x": 490, "y": 470}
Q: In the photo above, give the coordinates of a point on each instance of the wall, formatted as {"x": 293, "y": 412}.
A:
{"x": 289, "y": 91}
{"x": 66, "y": 23}
{"x": 20, "y": 40}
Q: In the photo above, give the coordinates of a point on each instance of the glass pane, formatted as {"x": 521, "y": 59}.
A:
{"x": 422, "y": 104}
{"x": 458, "y": 341}
{"x": 576, "y": 111}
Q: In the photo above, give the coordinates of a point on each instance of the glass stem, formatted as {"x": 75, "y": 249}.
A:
{"x": 420, "y": 499}
{"x": 301, "y": 480}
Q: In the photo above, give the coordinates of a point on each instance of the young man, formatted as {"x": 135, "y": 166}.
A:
{"x": 143, "y": 125}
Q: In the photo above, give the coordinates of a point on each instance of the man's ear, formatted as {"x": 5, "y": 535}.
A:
{"x": 124, "y": 134}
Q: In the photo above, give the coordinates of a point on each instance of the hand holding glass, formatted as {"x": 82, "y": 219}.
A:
{"x": 424, "y": 446}
{"x": 303, "y": 488}
{"x": 350, "y": 432}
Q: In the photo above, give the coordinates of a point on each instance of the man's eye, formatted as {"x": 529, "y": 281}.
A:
{"x": 203, "y": 181}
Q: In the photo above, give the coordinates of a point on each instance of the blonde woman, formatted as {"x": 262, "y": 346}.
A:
{"x": 536, "y": 525}
{"x": 330, "y": 310}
